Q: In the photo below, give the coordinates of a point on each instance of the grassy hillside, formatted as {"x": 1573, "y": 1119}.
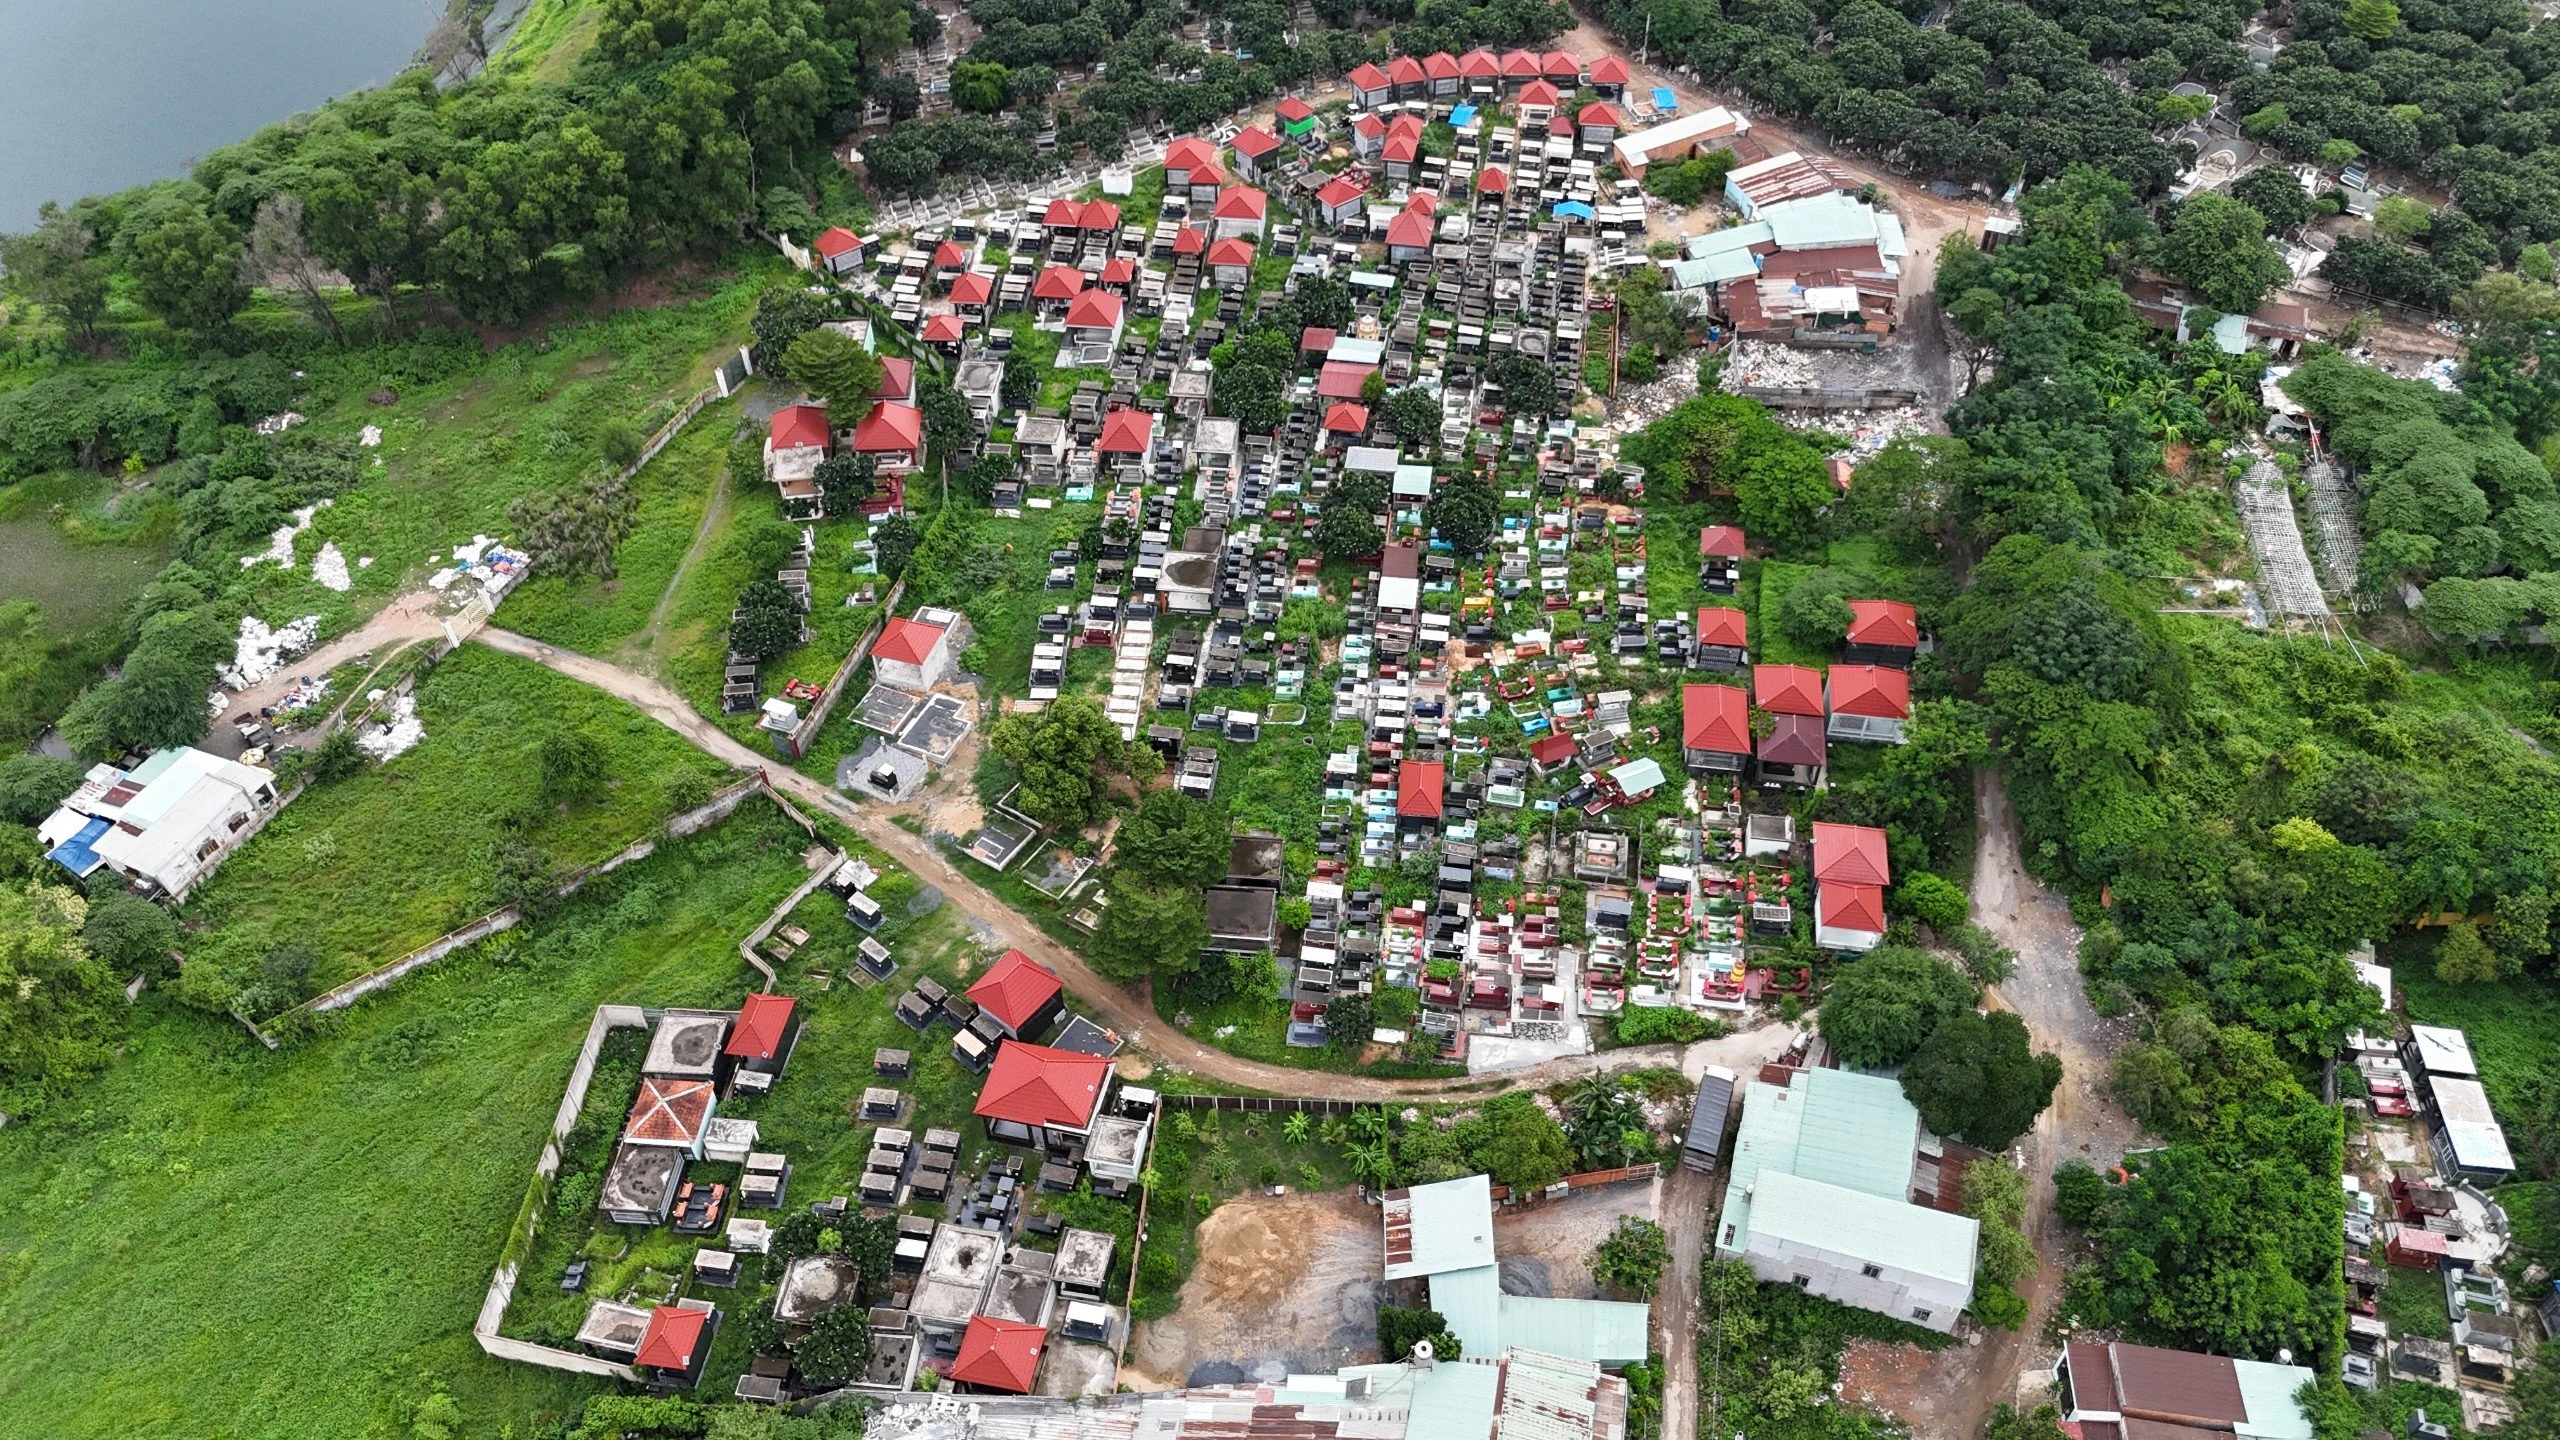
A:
{"x": 364, "y": 869}
{"x": 215, "y": 1240}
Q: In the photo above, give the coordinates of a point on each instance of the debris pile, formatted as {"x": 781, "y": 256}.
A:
{"x": 280, "y": 545}
{"x": 398, "y": 731}
{"x": 491, "y": 565}
{"x": 261, "y": 652}
{"x": 329, "y": 567}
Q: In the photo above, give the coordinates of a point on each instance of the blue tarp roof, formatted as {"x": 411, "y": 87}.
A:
{"x": 1664, "y": 100}
{"x": 1460, "y": 115}
{"x": 1574, "y": 208}
{"x": 75, "y": 855}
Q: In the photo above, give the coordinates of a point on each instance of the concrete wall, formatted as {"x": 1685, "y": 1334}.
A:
{"x": 502, "y": 1285}
{"x": 1834, "y": 1276}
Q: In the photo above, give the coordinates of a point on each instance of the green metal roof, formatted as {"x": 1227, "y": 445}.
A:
{"x": 1729, "y": 240}
{"x": 1870, "y": 1227}
{"x": 1713, "y": 269}
{"x": 1453, "y": 1402}
{"x": 1471, "y": 1301}
{"x": 1820, "y": 222}
{"x": 1488, "y": 1322}
{"x": 2267, "y": 1392}
{"x": 1853, "y": 1131}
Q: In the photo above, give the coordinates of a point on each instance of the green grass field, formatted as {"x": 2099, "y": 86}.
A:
{"x": 367, "y": 868}
{"x": 214, "y": 1240}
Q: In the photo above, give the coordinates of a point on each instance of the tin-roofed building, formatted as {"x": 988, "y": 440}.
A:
{"x": 162, "y": 826}
{"x": 2126, "y": 1392}
{"x": 1443, "y": 1234}
{"x": 1819, "y": 1196}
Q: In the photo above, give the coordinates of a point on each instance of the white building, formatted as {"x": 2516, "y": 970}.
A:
{"x": 913, "y": 654}
{"x": 1824, "y": 1171}
{"x": 162, "y": 826}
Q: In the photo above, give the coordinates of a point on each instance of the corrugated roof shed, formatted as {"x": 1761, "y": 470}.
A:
{"x": 1820, "y": 222}
{"x": 1850, "y": 1222}
{"x": 1435, "y": 1228}
{"x": 1840, "y": 1128}
{"x": 2268, "y": 1391}
{"x": 2462, "y": 1108}
{"x": 2443, "y": 1050}
{"x": 1706, "y": 1117}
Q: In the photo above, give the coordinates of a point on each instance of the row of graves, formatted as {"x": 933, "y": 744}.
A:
{"x": 694, "y": 1059}
{"x": 2415, "y": 1201}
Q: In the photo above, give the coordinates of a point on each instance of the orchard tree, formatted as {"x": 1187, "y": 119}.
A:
{"x": 845, "y": 480}
{"x": 130, "y": 933}
{"x": 1411, "y": 414}
{"x": 834, "y": 367}
{"x": 1884, "y": 1006}
{"x": 1974, "y": 1078}
{"x": 2219, "y": 246}
{"x": 1528, "y": 385}
{"x": 1149, "y": 929}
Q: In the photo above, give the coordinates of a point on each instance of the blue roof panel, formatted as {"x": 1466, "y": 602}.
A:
{"x": 75, "y": 855}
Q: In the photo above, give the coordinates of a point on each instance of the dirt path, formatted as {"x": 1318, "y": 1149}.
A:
{"x": 2047, "y": 992}
{"x": 1113, "y": 1005}
{"x": 642, "y": 648}
{"x": 409, "y": 618}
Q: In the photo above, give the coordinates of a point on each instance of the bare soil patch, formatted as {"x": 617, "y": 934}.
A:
{"x": 1546, "y": 1249}
{"x": 1284, "y": 1283}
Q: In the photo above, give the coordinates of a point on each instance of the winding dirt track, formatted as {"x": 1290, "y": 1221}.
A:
{"x": 1130, "y": 1014}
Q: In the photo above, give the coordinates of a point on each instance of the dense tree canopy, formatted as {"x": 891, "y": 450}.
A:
{"x": 1881, "y": 1008}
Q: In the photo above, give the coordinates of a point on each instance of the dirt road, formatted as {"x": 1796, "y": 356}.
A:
{"x": 1113, "y": 1005}
{"x": 2047, "y": 992}
{"x": 411, "y": 617}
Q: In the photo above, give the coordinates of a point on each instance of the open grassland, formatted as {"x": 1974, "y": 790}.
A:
{"x": 600, "y": 617}
{"x": 364, "y": 869}
{"x": 547, "y": 40}
{"x": 215, "y": 1240}
{"x": 457, "y": 451}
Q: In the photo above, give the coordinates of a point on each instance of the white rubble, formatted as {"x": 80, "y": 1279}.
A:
{"x": 329, "y": 567}
{"x": 261, "y": 652}
{"x": 398, "y": 731}
{"x": 280, "y": 545}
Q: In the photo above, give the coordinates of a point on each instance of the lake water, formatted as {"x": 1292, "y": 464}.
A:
{"x": 96, "y": 95}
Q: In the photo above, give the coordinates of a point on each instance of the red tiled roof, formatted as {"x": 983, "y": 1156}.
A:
{"x": 1492, "y": 180}
{"x": 1190, "y": 240}
{"x": 1368, "y": 126}
{"x": 1402, "y": 149}
{"x": 1555, "y": 748}
{"x": 1723, "y": 625}
{"x": 1368, "y": 77}
{"x": 1293, "y": 109}
{"x": 1341, "y": 380}
{"x": 1539, "y": 92}
{"x": 1253, "y": 142}
{"x": 890, "y": 428}
{"x": 1600, "y": 112}
{"x": 1094, "y": 310}
{"x": 797, "y": 426}
{"x": 907, "y": 642}
{"x": 1883, "y": 622}
{"x": 835, "y": 240}
{"x": 1877, "y": 691}
{"x": 1850, "y": 855}
{"x": 1520, "y": 64}
{"x": 1315, "y": 338}
{"x": 1405, "y": 70}
{"x": 1187, "y": 151}
{"x": 1063, "y": 214}
{"x": 1715, "y": 717}
{"x": 1480, "y": 64}
{"x": 1207, "y": 172}
{"x": 1234, "y": 250}
{"x": 950, "y": 255}
{"x": 897, "y": 378}
{"x": 1035, "y": 1085}
{"x": 1343, "y": 190}
{"x": 1850, "y": 907}
{"x": 943, "y": 330}
{"x": 1103, "y": 215}
{"x": 1407, "y": 125}
{"x": 1787, "y": 690}
{"x": 1418, "y": 789}
{"x": 1410, "y": 228}
{"x": 762, "y": 1022}
{"x": 1017, "y": 988}
{"x": 1126, "y": 432}
{"x": 999, "y": 1354}
{"x": 1608, "y": 70}
{"x": 673, "y": 1335}
{"x": 1242, "y": 202}
{"x": 973, "y": 289}
{"x": 1440, "y": 65}
{"x": 1119, "y": 270}
{"x": 1347, "y": 419}
{"x": 1058, "y": 282}
{"x": 669, "y": 1111}
{"x": 1724, "y": 541}
{"x": 1561, "y": 66}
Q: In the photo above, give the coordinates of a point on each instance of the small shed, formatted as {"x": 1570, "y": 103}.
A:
{"x": 1708, "y": 1117}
